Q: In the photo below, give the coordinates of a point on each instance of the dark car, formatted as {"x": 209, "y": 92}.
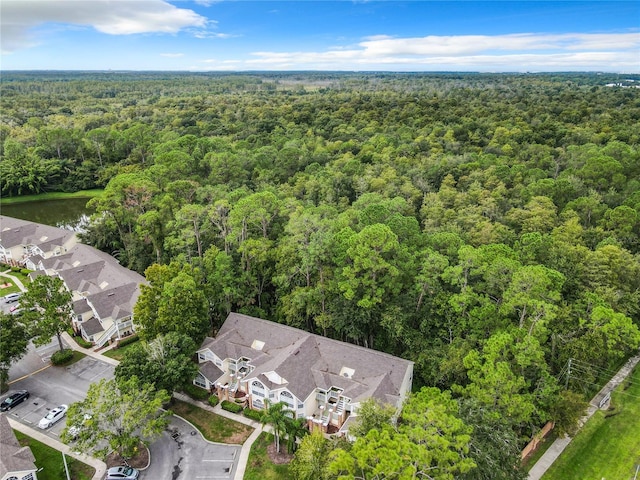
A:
{"x": 13, "y": 400}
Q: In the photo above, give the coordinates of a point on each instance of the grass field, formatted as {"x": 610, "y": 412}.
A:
{"x": 215, "y": 428}
{"x": 608, "y": 446}
{"x": 50, "y": 461}
{"x": 118, "y": 353}
{"x": 259, "y": 466}
{"x": 51, "y": 196}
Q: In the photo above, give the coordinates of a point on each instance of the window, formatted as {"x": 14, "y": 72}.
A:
{"x": 287, "y": 398}
{"x": 257, "y": 389}
{"x": 200, "y": 381}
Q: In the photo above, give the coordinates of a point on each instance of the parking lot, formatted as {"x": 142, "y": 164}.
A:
{"x": 52, "y": 386}
{"x": 179, "y": 454}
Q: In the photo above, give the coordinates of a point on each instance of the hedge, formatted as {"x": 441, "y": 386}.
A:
{"x": 231, "y": 406}
{"x": 62, "y": 356}
{"x": 127, "y": 340}
{"x": 214, "y": 400}
{"x": 253, "y": 414}
{"x": 195, "y": 392}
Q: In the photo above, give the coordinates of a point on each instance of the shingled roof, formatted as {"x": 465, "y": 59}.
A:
{"x": 15, "y": 232}
{"x": 307, "y": 361}
{"x": 13, "y": 457}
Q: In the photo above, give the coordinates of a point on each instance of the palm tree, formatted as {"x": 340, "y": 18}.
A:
{"x": 277, "y": 416}
{"x": 296, "y": 428}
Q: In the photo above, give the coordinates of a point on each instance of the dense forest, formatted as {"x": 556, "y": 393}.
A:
{"x": 484, "y": 226}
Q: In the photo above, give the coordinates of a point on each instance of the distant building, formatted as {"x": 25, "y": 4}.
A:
{"x": 255, "y": 361}
{"x": 16, "y": 462}
{"x": 104, "y": 292}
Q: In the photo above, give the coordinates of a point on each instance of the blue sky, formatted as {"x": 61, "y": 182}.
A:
{"x": 203, "y": 35}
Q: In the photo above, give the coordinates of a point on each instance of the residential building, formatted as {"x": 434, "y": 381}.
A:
{"x": 16, "y": 462}
{"x": 255, "y": 362}
{"x": 103, "y": 291}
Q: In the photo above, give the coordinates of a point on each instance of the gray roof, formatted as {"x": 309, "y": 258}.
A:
{"x": 15, "y": 232}
{"x": 13, "y": 457}
{"x": 92, "y": 326}
{"x": 210, "y": 371}
{"x": 307, "y": 361}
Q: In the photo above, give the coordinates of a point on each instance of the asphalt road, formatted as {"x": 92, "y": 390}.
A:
{"x": 182, "y": 454}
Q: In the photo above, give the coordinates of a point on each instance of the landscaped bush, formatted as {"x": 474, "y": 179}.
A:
{"x": 231, "y": 406}
{"x": 196, "y": 393}
{"x": 214, "y": 400}
{"x": 127, "y": 340}
{"x": 25, "y": 271}
{"x": 252, "y": 414}
{"x": 62, "y": 356}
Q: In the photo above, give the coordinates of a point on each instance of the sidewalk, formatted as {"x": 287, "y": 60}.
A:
{"x": 18, "y": 283}
{"x": 557, "y": 447}
{"x": 246, "y": 446}
{"x": 101, "y": 467}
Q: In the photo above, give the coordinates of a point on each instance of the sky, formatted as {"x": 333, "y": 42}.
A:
{"x": 360, "y": 35}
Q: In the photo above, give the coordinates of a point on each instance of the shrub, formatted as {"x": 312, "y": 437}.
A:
{"x": 62, "y": 356}
{"x": 127, "y": 340}
{"x": 25, "y": 271}
{"x": 213, "y": 400}
{"x": 231, "y": 406}
{"x": 252, "y": 414}
{"x": 196, "y": 392}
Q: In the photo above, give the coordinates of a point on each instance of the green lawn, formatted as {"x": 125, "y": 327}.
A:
{"x": 118, "y": 353}
{"x": 259, "y": 466}
{"x": 214, "y": 427}
{"x": 608, "y": 446}
{"x": 52, "y": 196}
{"x": 12, "y": 288}
{"x": 50, "y": 461}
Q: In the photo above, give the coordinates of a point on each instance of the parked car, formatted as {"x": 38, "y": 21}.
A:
{"x": 14, "y": 308}
{"x": 122, "y": 472}
{"x": 54, "y": 415}
{"x": 12, "y": 297}
{"x": 13, "y": 400}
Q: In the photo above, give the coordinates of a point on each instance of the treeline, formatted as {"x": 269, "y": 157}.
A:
{"x": 483, "y": 226}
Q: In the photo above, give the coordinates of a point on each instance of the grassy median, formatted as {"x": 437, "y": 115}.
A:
{"x": 608, "y": 446}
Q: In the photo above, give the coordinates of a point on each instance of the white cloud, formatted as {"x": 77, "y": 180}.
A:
{"x": 526, "y": 51}
{"x": 116, "y": 17}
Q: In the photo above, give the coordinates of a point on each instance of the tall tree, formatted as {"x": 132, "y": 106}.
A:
{"x": 117, "y": 416}
{"x": 47, "y": 307}
{"x": 166, "y": 362}
{"x": 13, "y": 345}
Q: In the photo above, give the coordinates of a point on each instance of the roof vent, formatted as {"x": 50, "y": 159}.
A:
{"x": 347, "y": 372}
{"x": 257, "y": 345}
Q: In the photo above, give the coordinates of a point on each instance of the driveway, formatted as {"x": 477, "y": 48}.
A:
{"x": 182, "y": 453}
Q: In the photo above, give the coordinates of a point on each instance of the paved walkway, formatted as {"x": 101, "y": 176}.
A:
{"x": 14, "y": 279}
{"x": 557, "y": 447}
{"x": 101, "y": 467}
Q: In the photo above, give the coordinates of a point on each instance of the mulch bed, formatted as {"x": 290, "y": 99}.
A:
{"x": 139, "y": 461}
{"x": 278, "y": 458}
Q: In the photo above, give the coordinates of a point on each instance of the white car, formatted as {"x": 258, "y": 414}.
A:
{"x": 54, "y": 415}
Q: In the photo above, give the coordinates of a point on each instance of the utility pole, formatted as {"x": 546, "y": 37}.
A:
{"x": 66, "y": 469}
{"x": 566, "y": 385}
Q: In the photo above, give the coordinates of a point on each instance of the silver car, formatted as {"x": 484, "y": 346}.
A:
{"x": 122, "y": 472}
